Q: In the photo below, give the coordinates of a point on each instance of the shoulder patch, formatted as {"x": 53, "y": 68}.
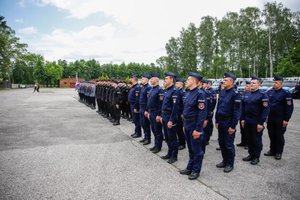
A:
{"x": 201, "y": 105}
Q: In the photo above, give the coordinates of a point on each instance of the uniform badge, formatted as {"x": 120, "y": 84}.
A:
{"x": 174, "y": 100}
{"x": 289, "y": 103}
{"x": 201, "y": 106}
{"x": 161, "y": 97}
{"x": 265, "y": 104}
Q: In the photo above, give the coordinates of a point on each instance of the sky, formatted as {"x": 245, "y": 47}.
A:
{"x": 111, "y": 31}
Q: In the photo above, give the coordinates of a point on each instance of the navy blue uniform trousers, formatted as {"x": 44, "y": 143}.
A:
{"x": 194, "y": 146}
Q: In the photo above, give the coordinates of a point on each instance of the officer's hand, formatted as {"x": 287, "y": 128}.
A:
{"x": 135, "y": 110}
{"x": 259, "y": 128}
{"x": 285, "y": 123}
{"x": 170, "y": 124}
{"x": 231, "y": 131}
{"x": 205, "y": 123}
{"x": 182, "y": 117}
{"x": 117, "y": 106}
{"x": 146, "y": 114}
{"x": 158, "y": 119}
{"x": 196, "y": 134}
{"x": 243, "y": 123}
{"x": 217, "y": 126}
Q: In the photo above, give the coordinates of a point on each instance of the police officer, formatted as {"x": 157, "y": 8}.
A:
{"x": 227, "y": 116}
{"x": 169, "y": 111}
{"x": 181, "y": 92}
{"x": 92, "y": 95}
{"x": 145, "y": 123}
{"x": 207, "y": 85}
{"x": 242, "y": 130}
{"x": 281, "y": 109}
{"x": 255, "y": 110}
{"x": 116, "y": 102}
{"x": 194, "y": 114}
{"x": 153, "y": 112}
{"x": 208, "y": 109}
{"x": 133, "y": 99}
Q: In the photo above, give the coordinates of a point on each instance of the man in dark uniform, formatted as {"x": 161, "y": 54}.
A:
{"x": 207, "y": 85}
{"x": 145, "y": 123}
{"x": 255, "y": 110}
{"x": 281, "y": 109}
{"x": 153, "y": 112}
{"x": 242, "y": 130}
{"x": 194, "y": 114}
{"x": 181, "y": 93}
{"x": 133, "y": 98}
{"x": 116, "y": 102}
{"x": 169, "y": 110}
{"x": 227, "y": 116}
{"x": 208, "y": 110}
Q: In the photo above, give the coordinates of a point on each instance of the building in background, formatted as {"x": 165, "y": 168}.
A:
{"x": 68, "y": 82}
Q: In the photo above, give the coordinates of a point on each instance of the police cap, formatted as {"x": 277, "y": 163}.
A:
{"x": 195, "y": 75}
{"x": 146, "y": 76}
{"x": 170, "y": 74}
{"x": 180, "y": 80}
{"x": 277, "y": 78}
{"x": 155, "y": 75}
{"x": 229, "y": 75}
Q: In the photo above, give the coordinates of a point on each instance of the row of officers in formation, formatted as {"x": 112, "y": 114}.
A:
{"x": 183, "y": 116}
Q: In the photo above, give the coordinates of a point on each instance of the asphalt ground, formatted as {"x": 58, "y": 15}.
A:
{"x": 54, "y": 147}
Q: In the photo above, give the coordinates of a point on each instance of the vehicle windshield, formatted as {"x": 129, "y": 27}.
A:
{"x": 267, "y": 84}
{"x": 289, "y": 83}
{"x": 216, "y": 84}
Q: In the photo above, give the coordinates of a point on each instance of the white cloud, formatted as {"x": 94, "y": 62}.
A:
{"x": 22, "y": 3}
{"x": 149, "y": 24}
{"x": 19, "y": 20}
{"x": 27, "y": 30}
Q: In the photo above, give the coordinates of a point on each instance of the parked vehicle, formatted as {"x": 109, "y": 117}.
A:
{"x": 266, "y": 85}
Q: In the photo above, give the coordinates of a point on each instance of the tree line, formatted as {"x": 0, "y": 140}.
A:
{"x": 251, "y": 41}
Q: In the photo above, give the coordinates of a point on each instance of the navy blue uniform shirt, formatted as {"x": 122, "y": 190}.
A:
{"x": 144, "y": 95}
{"x": 255, "y": 107}
{"x": 229, "y": 107}
{"x": 133, "y": 96}
{"x": 181, "y": 94}
{"x": 154, "y": 99}
{"x": 194, "y": 106}
{"x": 170, "y": 103}
{"x": 281, "y": 105}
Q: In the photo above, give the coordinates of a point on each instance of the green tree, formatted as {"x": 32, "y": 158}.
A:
{"x": 290, "y": 65}
{"x": 10, "y": 49}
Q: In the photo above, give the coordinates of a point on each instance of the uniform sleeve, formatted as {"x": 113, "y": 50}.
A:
{"x": 265, "y": 109}
{"x": 243, "y": 108}
{"x": 236, "y": 110}
{"x": 214, "y": 100}
{"x": 137, "y": 96}
{"x": 148, "y": 94}
{"x": 201, "y": 111}
{"x": 160, "y": 101}
{"x": 289, "y": 106}
{"x": 175, "y": 100}
{"x": 209, "y": 106}
{"x": 118, "y": 96}
{"x": 217, "y": 116}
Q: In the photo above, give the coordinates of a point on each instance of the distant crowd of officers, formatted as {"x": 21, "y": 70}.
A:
{"x": 181, "y": 114}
